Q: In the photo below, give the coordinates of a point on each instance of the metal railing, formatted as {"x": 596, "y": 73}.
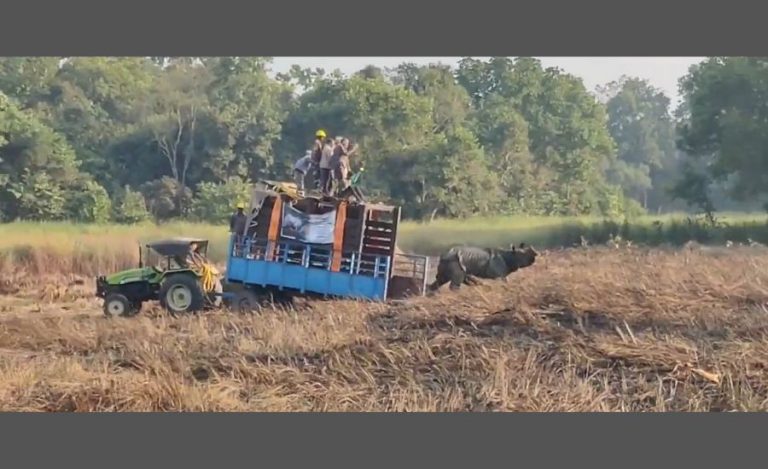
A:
{"x": 309, "y": 256}
{"x": 412, "y": 266}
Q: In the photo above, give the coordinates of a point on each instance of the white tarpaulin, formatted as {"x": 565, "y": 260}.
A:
{"x": 313, "y": 229}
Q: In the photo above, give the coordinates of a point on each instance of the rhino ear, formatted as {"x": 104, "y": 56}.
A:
{"x": 522, "y": 245}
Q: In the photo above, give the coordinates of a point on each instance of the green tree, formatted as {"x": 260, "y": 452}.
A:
{"x": 451, "y": 103}
{"x": 723, "y": 126}
{"x": 92, "y": 101}
{"x": 567, "y": 131}
{"x": 250, "y": 108}
{"x": 641, "y": 125}
{"x": 27, "y": 79}
{"x": 382, "y": 118}
{"x": 214, "y": 202}
{"x": 448, "y": 176}
{"x": 36, "y": 165}
{"x": 166, "y": 198}
{"x": 130, "y": 207}
{"x": 503, "y": 132}
{"x": 88, "y": 202}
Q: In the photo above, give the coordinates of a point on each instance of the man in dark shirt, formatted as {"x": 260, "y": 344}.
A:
{"x": 237, "y": 221}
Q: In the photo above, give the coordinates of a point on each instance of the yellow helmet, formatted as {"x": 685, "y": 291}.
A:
{"x": 320, "y": 133}
{"x": 240, "y": 205}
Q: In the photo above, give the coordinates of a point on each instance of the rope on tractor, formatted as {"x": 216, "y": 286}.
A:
{"x": 208, "y": 274}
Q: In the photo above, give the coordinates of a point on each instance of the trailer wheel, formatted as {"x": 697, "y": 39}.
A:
{"x": 246, "y": 301}
{"x": 256, "y": 299}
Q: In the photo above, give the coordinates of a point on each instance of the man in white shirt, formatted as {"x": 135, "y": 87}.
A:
{"x": 325, "y": 167}
{"x": 300, "y": 170}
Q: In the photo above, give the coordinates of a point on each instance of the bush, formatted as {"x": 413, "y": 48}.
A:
{"x": 166, "y": 198}
{"x": 88, "y": 202}
{"x": 214, "y": 203}
{"x": 37, "y": 197}
{"x": 131, "y": 208}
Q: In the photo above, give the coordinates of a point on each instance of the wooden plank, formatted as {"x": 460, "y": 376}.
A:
{"x": 274, "y": 228}
{"x": 262, "y": 218}
{"x": 380, "y": 224}
{"x": 370, "y": 229}
{"x": 380, "y": 207}
{"x": 384, "y": 247}
{"x": 375, "y": 251}
{"x": 338, "y": 236}
{"x": 384, "y": 237}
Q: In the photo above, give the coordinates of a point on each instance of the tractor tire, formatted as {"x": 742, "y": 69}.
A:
{"x": 182, "y": 293}
{"x": 118, "y": 305}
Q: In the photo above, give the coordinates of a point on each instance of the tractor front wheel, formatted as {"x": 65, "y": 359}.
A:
{"x": 182, "y": 294}
{"x": 118, "y": 305}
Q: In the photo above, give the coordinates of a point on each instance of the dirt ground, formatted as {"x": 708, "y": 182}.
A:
{"x": 593, "y": 329}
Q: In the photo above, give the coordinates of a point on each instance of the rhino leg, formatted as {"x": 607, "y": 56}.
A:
{"x": 454, "y": 273}
{"x": 471, "y": 281}
{"x": 442, "y": 276}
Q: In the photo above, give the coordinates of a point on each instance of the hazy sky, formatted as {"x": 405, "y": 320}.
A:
{"x": 661, "y": 72}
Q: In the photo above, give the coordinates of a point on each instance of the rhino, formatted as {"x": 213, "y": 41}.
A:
{"x": 462, "y": 264}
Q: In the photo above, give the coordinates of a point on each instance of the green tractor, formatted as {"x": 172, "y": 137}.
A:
{"x": 175, "y": 271}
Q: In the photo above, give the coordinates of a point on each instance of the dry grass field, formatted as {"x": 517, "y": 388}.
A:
{"x": 593, "y": 329}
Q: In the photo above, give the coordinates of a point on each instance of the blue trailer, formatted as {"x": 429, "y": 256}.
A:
{"x": 322, "y": 247}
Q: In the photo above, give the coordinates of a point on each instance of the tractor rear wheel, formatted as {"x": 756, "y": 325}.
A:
{"x": 181, "y": 294}
{"x": 118, "y": 305}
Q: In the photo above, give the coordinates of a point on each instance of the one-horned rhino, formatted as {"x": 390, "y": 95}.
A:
{"x": 462, "y": 263}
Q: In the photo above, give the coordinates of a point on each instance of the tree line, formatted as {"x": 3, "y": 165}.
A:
{"x": 128, "y": 139}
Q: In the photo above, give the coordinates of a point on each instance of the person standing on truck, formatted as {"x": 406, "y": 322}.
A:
{"x": 325, "y": 166}
{"x": 300, "y": 170}
{"x": 317, "y": 154}
{"x": 343, "y": 167}
{"x": 237, "y": 224}
{"x": 237, "y": 221}
{"x": 339, "y": 151}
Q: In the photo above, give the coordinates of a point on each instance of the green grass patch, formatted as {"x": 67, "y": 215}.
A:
{"x": 90, "y": 248}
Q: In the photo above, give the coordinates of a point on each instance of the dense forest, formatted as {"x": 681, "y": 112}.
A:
{"x": 129, "y": 139}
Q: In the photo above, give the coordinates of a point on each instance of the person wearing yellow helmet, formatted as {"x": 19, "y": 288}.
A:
{"x": 317, "y": 154}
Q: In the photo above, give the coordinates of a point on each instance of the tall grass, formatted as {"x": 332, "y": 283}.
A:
{"x": 644, "y": 331}
{"x": 89, "y": 249}
{"x": 675, "y": 229}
